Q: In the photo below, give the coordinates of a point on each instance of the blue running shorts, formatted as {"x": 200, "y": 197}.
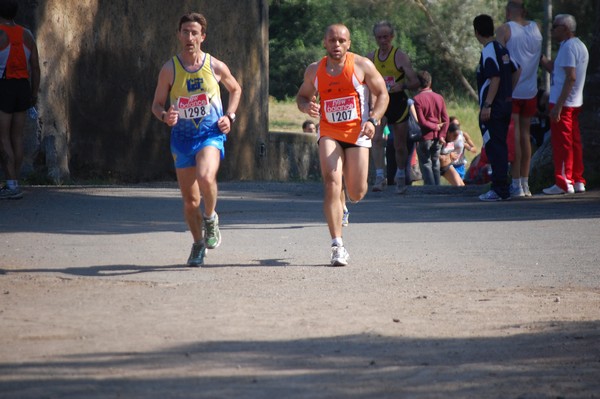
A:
{"x": 184, "y": 151}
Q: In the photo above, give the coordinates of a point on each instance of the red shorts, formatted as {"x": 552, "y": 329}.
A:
{"x": 525, "y": 108}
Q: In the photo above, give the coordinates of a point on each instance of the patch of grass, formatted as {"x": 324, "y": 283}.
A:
{"x": 284, "y": 116}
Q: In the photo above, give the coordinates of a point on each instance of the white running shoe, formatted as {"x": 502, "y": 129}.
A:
{"x": 526, "y": 190}
{"x": 339, "y": 256}
{"x": 579, "y": 187}
{"x": 346, "y": 218}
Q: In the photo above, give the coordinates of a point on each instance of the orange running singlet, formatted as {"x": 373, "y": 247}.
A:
{"x": 344, "y": 103}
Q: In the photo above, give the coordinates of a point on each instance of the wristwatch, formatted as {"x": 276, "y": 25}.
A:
{"x": 374, "y": 121}
{"x": 231, "y": 116}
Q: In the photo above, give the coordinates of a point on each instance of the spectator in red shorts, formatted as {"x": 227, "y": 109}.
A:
{"x": 523, "y": 40}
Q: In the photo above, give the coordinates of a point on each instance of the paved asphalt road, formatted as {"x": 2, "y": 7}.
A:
{"x": 95, "y": 303}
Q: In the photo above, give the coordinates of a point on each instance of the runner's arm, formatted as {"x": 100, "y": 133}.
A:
{"x": 306, "y": 98}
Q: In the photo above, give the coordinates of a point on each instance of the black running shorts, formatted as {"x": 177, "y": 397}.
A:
{"x": 16, "y": 95}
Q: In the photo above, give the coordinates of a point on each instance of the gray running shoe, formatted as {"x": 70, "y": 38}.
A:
{"x": 339, "y": 256}
{"x": 197, "y": 255}
{"x": 380, "y": 184}
{"x": 10, "y": 193}
{"x": 212, "y": 234}
{"x": 400, "y": 185}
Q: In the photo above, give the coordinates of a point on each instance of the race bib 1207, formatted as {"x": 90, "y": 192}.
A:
{"x": 340, "y": 110}
{"x": 194, "y": 107}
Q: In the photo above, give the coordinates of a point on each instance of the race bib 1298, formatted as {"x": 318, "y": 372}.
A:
{"x": 341, "y": 110}
{"x": 194, "y": 107}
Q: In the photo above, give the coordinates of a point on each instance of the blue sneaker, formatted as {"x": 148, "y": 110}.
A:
{"x": 10, "y": 193}
{"x": 492, "y": 196}
{"x": 197, "y": 255}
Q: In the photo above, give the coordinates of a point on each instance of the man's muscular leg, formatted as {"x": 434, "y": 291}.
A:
{"x": 331, "y": 156}
{"x": 207, "y": 165}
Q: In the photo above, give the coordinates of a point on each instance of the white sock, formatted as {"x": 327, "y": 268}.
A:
{"x": 525, "y": 181}
{"x": 211, "y": 217}
{"x": 337, "y": 242}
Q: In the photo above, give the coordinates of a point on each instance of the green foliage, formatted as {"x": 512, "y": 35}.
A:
{"x": 297, "y": 27}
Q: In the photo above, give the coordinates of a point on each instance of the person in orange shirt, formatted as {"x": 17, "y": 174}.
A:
{"x": 346, "y": 84}
{"x": 19, "y": 84}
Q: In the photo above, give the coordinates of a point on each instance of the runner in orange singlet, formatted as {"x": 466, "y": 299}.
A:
{"x": 19, "y": 83}
{"x": 346, "y": 84}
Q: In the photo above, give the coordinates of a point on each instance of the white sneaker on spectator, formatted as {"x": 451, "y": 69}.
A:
{"x": 516, "y": 191}
{"x": 526, "y": 190}
{"x": 555, "y": 190}
{"x": 579, "y": 187}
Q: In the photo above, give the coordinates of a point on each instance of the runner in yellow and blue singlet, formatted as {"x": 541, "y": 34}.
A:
{"x": 199, "y": 124}
{"x": 197, "y": 97}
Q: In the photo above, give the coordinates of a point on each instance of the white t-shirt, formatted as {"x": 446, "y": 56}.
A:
{"x": 572, "y": 53}
{"x": 525, "y": 47}
{"x": 458, "y": 147}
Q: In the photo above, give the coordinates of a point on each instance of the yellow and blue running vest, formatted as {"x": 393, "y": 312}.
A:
{"x": 197, "y": 97}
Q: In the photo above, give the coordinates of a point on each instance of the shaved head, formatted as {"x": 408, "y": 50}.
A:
{"x": 336, "y": 28}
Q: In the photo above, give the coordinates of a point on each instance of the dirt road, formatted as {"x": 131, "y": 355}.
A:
{"x": 444, "y": 297}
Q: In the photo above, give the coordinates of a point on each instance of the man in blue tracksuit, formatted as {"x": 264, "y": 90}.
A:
{"x": 497, "y": 75}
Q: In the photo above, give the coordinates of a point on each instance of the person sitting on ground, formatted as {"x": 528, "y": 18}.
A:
{"x": 469, "y": 143}
{"x": 452, "y": 157}
{"x": 456, "y": 137}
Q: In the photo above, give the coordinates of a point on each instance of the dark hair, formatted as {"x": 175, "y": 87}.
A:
{"x": 484, "y": 25}
{"x": 453, "y": 128}
{"x": 424, "y": 79}
{"x": 306, "y": 123}
{"x": 194, "y": 17}
{"x": 8, "y": 9}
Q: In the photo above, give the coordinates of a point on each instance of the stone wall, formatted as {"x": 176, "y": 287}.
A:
{"x": 100, "y": 62}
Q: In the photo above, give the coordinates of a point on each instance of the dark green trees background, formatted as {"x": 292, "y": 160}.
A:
{"x": 437, "y": 35}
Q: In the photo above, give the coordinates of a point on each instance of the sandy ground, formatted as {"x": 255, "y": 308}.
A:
{"x": 445, "y": 296}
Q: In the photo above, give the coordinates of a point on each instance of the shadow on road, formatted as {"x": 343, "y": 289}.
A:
{"x": 122, "y": 210}
{"x": 332, "y": 367}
